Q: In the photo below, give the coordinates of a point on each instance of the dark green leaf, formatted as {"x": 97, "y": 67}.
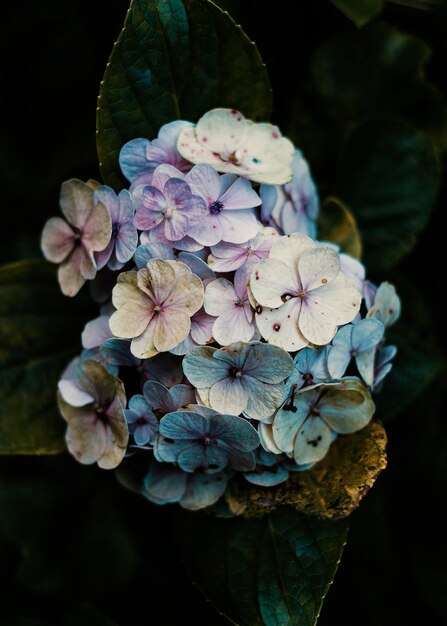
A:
{"x": 361, "y": 75}
{"x": 359, "y": 11}
{"x": 39, "y": 333}
{"x": 388, "y": 177}
{"x": 175, "y": 60}
{"x": 278, "y": 569}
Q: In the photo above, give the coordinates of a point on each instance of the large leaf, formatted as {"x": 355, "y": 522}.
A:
{"x": 388, "y": 177}
{"x": 277, "y": 569}
{"x": 175, "y": 60}
{"x": 361, "y": 75}
{"x": 39, "y": 333}
{"x": 333, "y": 488}
{"x": 359, "y": 11}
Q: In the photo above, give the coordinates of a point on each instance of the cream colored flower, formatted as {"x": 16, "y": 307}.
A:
{"x": 155, "y": 306}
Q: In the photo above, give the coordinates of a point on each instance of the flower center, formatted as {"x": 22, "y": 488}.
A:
{"x": 115, "y": 229}
{"x": 239, "y": 303}
{"x": 209, "y": 441}
{"x": 235, "y": 372}
{"x": 308, "y": 378}
{"x": 216, "y": 207}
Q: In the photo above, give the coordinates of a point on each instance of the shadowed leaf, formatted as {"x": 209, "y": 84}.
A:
{"x": 39, "y": 333}
{"x": 175, "y": 60}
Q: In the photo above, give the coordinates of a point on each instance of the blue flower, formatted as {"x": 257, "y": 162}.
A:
{"x": 358, "y": 341}
{"x": 202, "y": 439}
{"x": 386, "y": 305}
{"x": 166, "y": 484}
{"x": 240, "y": 378}
{"x": 382, "y": 364}
{"x": 272, "y": 469}
{"x": 142, "y": 422}
{"x": 303, "y": 428}
{"x": 309, "y": 368}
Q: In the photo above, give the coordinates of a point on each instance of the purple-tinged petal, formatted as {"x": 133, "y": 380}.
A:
{"x": 58, "y": 240}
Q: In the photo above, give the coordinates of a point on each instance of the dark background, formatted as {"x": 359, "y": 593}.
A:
{"x": 76, "y": 548}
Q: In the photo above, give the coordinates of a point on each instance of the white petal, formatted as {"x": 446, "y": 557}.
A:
{"x": 280, "y": 326}
{"x": 271, "y": 281}
{"x": 291, "y": 248}
{"x": 222, "y": 130}
{"x": 317, "y": 267}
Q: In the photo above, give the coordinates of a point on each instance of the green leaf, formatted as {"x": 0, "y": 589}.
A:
{"x": 359, "y": 11}
{"x": 361, "y": 75}
{"x": 175, "y": 60}
{"x": 278, "y": 569}
{"x": 39, "y": 333}
{"x": 388, "y": 176}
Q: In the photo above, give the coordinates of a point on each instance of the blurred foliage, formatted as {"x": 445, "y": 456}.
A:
{"x": 36, "y": 343}
{"x": 75, "y": 546}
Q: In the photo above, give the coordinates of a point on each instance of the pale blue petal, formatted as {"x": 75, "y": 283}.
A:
{"x": 263, "y": 399}
{"x": 312, "y": 441}
{"x": 242, "y": 461}
{"x": 339, "y": 357}
{"x": 209, "y": 458}
{"x": 203, "y": 490}
{"x": 235, "y": 354}
{"x": 182, "y": 425}
{"x": 197, "y": 265}
{"x": 202, "y": 370}
{"x": 365, "y": 365}
{"x": 145, "y": 433}
{"x": 267, "y": 363}
{"x": 165, "y": 368}
{"x": 346, "y": 406}
{"x": 180, "y": 396}
{"x": 117, "y": 352}
{"x": 148, "y": 251}
{"x": 268, "y": 477}
{"x": 157, "y": 396}
{"x": 235, "y": 432}
{"x": 290, "y": 418}
{"x": 167, "y": 451}
{"x": 164, "y": 484}
{"x": 132, "y": 159}
{"x": 228, "y": 396}
{"x": 366, "y": 334}
{"x": 139, "y": 405}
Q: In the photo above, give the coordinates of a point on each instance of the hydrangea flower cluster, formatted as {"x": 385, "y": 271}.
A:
{"x": 229, "y": 339}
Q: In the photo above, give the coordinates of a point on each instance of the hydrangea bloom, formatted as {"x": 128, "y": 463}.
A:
{"x": 155, "y": 305}
{"x": 302, "y": 293}
{"x": 145, "y": 410}
{"x": 140, "y": 157}
{"x": 356, "y": 341}
{"x": 201, "y": 327}
{"x": 124, "y": 236}
{"x": 202, "y": 438}
{"x": 292, "y": 207}
{"x": 97, "y": 430}
{"x": 224, "y": 139}
{"x": 303, "y": 427}
{"x": 309, "y": 368}
{"x": 241, "y": 378}
{"x": 73, "y": 242}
